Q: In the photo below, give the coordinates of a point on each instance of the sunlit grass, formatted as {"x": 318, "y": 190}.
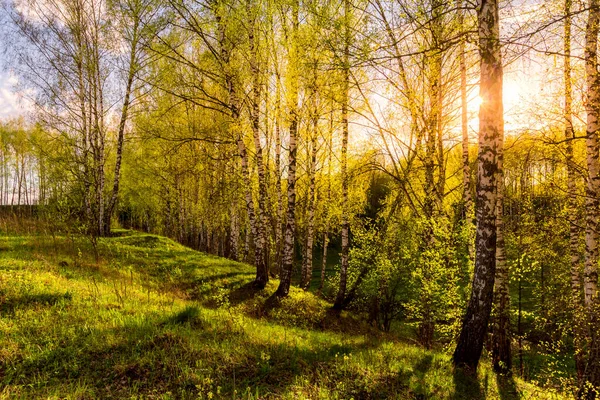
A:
{"x": 153, "y": 319}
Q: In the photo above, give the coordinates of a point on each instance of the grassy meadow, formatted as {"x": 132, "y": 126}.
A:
{"x": 145, "y": 317}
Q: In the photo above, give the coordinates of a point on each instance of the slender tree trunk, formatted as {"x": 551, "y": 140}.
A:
{"x": 246, "y": 244}
{"x": 307, "y": 261}
{"x": 432, "y": 203}
{"x": 519, "y": 325}
{"x": 19, "y": 179}
{"x": 434, "y": 189}
{"x": 324, "y": 260}
{"x": 97, "y": 103}
{"x": 501, "y": 345}
{"x": 259, "y": 258}
{"x": 491, "y": 129}
{"x": 592, "y": 147}
{"x": 234, "y": 234}
{"x": 278, "y": 189}
{"x": 308, "y": 254}
{"x": 439, "y": 114}
{"x": 290, "y": 226}
{"x": 262, "y": 272}
{"x": 467, "y": 198}
{"x": 24, "y": 179}
{"x": 592, "y": 203}
{"x": 3, "y": 168}
{"x": 121, "y": 132}
{"x": 278, "y": 209}
{"x": 341, "y": 295}
{"x": 327, "y": 201}
{"x": 576, "y": 289}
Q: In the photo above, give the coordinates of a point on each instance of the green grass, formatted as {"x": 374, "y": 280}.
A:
{"x": 153, "y": 319}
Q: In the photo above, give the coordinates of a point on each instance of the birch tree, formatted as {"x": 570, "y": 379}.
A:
{"x": 293, "y": 117}
{"x": 592, "y": 202}
{"x": 491, "y": 130}
{"x": 341, "y": 295}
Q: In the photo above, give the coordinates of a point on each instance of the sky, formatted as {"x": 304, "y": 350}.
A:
{"x": 11, "y": 105}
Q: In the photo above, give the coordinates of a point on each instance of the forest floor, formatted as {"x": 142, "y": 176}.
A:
{"x": 149, "y": 318}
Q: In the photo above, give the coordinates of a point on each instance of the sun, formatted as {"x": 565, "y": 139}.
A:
{"x": 511, "y": 96}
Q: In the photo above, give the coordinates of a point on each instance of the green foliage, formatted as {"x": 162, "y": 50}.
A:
{"x": 132, "y": 325}
{"x": 396, "y": 275}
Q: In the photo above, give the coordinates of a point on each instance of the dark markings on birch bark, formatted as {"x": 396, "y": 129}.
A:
{"x": 576, "y": 288}
{"x": 339, "y": 300}
{"x": 262, "y": 273}
{"x": 592, "y": 203}
{"x": 491, "y": 128}
{"x": 290, "y": 225}
{"x": 307, "y": 265}
{"x": 122, "y": 123}
{"x": 501, "y": 340}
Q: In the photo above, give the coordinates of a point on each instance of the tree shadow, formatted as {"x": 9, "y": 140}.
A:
{"x": 202, "y": 288}
{"x": 467, "y": 385}
{"x": 507, "y": 387}
{"x": 244, "y": 293}
{"x": 153, "y": 354}
{"x": 419, "y": 371}
{"x": 10, "y": 305}
{"x": 408, "y": 382}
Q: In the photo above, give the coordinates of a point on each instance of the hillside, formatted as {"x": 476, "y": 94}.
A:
{"x": 150, "y": 318}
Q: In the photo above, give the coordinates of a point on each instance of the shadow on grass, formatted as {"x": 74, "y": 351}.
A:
{"x": 182, "y": 352}
{"x": 507, "y": 388}
{"x": 10, "y": 305}
{"x": 467, "y": 386}
{"x": 418, "y": 373}
{"x": 203, "y": 288}
{"x": 190, "y": 357}
{"x": 243, "y": 293}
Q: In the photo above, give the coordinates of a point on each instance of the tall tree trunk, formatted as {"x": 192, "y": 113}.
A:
{"x": 592, "y": 203}
{"x": 434, "y": 160}
{"x": 307, "y": 266}
{"x": 324, "y": 259}
{"x": 259, "y": 258}
{"x": 491, "y": 129}
{"x": 19, "y": 175}
{"x": 3, "y": 169}
{"x": 278, "y": 189}
{"x": 278, "y": 207}
{"x": 121, "y": 132}
{"x": 341, "y": 295}
{"x": 431, "y": 206}
{"x": 307, "y": 260}
{"x": 501, "y": 346}
{"x": 97, "y": 104}
{"x": 592, "y": 147}
{"x": 234, "y": 234}
{"x": 262, "y": 272}
{"x": 464, "y": 125}
{"x": 576, "y": 289}
{"x": 326, "y": 203}
{"x": 290, "y": 225}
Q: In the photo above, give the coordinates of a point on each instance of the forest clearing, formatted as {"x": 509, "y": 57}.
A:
{"x": 154, "y": 319}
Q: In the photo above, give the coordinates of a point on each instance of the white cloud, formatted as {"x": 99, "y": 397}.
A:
{"x": 12, "y": 102}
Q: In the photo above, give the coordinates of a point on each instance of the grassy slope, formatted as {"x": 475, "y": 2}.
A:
{"x": 153, "y": 319}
